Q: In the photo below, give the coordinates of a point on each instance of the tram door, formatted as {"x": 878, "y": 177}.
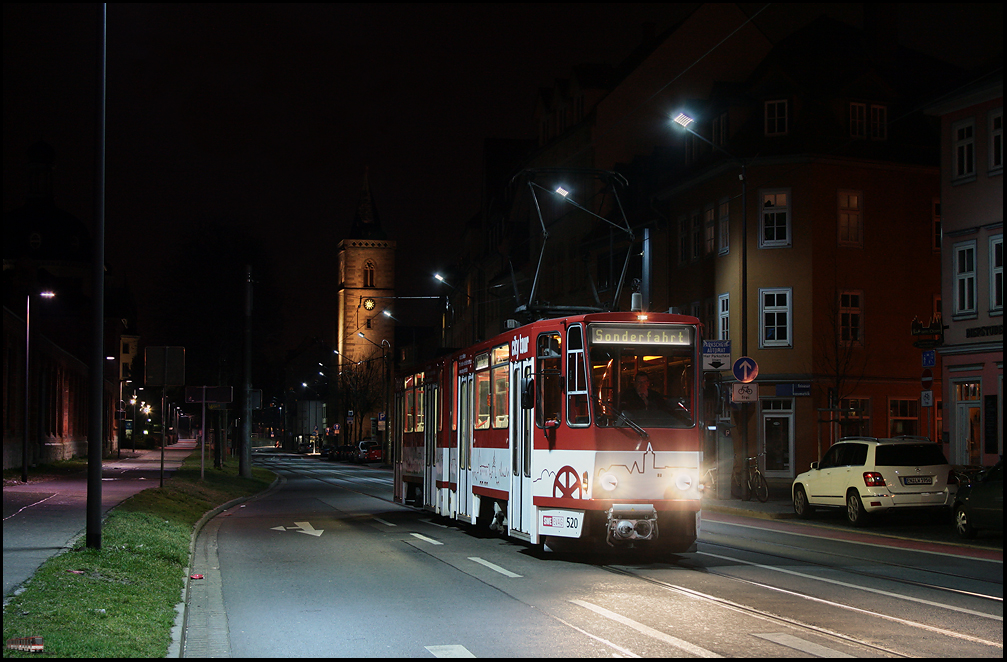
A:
{"x": 430, "y": 450}
{"x": 519, "y": 504}
{"x": 464, "y": 429}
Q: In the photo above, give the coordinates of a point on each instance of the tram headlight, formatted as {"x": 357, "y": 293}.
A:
{"x": 683, "y": 481}
{"x": 608, "y": 482}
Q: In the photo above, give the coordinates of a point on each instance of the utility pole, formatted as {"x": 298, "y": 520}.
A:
{"x": 245, "y": 442}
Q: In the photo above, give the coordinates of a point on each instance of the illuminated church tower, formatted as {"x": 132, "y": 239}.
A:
{"x": 366, "y": 287}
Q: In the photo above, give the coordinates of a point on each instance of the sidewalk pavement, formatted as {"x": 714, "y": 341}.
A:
{"x": 44, "y": 517}
{"x": 778, "y": 506}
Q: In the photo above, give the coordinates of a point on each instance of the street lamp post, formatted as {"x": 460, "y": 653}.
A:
{"x": 27, "y": 380}
{"x": 684, "y": 120}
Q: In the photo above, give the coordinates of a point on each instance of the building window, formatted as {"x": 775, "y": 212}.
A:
{"x": 709, "y": 230}
{"x": 855, "y": 416}
{"x": 683, "y": 240}
{"x": 858, "y": 120}
{"x": 724, "y": 317}
{"x": 720, "y": 129}
{"x": 879, "y": 122}
{"x": 775, "y": 219}
{"x": 996, "y": 142}
{"x": 997, "y": 274}
{"x": 724, "y": 211}
{"x": 903, "y": 417}
{"x": 851, "y": 219}
{"x": 965, "y": 278}
{"x": 776, "y": 117}
{"x": 368, "y": 274}
{"x": 851, "y": 317}
{"x": 964, "y": 150}
{"x": 774, "y": 317}
{"x": 697, "y": 235}
{"x": 937, "y": 233}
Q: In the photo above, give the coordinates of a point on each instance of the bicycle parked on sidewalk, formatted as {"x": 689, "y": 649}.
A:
{"x": 754, "y": 480}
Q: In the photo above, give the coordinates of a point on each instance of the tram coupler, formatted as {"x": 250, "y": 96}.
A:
{"x": 631, "y": 521}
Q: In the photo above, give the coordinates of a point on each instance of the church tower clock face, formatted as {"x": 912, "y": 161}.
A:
{"x": 369, "y": 303}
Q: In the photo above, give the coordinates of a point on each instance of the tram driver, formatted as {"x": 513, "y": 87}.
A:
{"x": 642, "y": 398}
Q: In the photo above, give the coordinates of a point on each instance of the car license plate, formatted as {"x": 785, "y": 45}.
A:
{"x": 917, "y": 480}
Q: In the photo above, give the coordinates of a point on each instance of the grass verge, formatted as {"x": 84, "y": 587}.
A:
{"x": 120, "y": 601}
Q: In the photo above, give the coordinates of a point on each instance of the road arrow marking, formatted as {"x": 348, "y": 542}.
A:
{"x": 307, "y": 528}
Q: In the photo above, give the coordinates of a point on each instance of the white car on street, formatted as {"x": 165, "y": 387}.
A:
{"x": 868, "y": 475}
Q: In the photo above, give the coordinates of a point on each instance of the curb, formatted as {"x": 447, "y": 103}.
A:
{"x": 176, "y": 647}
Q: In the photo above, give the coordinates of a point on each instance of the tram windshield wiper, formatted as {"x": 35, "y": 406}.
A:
{"x": 621, "y": 418}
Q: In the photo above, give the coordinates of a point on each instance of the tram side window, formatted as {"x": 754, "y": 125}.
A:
{"x": 419, "y": 409}
{"x": 410, "y": 395}
{"x": 484, "y": 395}
{"x": 549, "y": 391}
{"x": 577, "y": 409}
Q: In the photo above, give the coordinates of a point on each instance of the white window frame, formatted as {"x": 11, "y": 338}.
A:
{"x": 997, "y": 274}
{"x": 858, "y": 120}
{"x": 696, "y": 225}
{"x": 996, "y": 139}
{"x": 897, "y": 415}
{"x": 963, "y": 151}
{"x": 724, "y": 227}
{"x": 964, "y": 279}
{"x": 775, "y": 309}
{"x": 850, "y": 214}
{"x": 724, "y": 316}
{"x": 776, "y": 208}
{"x": 683, "y": 239}
{"x": 777, "y": 118}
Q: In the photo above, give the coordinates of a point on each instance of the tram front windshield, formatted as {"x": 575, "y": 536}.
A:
{"x": 649, "y": 383}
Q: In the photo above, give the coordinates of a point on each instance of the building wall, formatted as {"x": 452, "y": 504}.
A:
{"x": 972, "y": 217}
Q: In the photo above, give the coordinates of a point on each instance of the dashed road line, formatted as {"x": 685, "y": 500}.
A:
{"x": 494, "y": 566}
{"x": 681, "y": 644}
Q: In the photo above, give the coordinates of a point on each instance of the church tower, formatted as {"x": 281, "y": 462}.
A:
{"x": 366, "y": 288}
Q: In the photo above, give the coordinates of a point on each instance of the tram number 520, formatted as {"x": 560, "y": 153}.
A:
{"x": 562, "y": 523}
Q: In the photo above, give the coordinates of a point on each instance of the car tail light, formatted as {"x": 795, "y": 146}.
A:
{"x": 873, "y": 479}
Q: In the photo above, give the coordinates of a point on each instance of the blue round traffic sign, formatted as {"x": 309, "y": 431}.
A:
{"x": 745, "y": 369}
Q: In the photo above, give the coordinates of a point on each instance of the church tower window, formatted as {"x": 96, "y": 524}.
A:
{"x": 369, "y": 273}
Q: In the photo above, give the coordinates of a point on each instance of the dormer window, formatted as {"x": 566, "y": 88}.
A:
{"x": 776, "y": 117}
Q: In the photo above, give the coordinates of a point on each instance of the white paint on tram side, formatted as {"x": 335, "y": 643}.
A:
{"x": 681, "y": 644}
{"x": 494, "y": 566}
{"x": 790, "y": 641}
{"x": 888, "y": 594}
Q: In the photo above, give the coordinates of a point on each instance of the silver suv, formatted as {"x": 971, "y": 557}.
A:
{"x": 868, "y": 475}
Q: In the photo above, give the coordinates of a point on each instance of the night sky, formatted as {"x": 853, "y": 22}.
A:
{"x": 249, "y": 127}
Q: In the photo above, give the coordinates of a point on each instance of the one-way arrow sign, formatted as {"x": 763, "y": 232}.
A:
{"x": 300, "y": 527}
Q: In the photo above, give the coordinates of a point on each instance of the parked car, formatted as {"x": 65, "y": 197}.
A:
{"x": 346, "y": 453}
{"x": 327, "y": 452}
{"x": 867, "y": 475}
{"x": 369, "y": 451}
{"x": 979, "y": 503}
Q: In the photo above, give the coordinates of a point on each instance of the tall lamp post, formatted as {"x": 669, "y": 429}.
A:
{"x": 685, "y": 121}
{"x": 47, "y": 294}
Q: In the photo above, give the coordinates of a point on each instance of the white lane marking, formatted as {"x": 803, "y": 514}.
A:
{"x": 452, "y": 650}
{"x": 494, "y": 566}
{"x": 922, "y": 626}
{"x": 649, "y": 631}
{"x": 378, "y": 519}
{"x": 429, "y": 540}
{"x": 624, "y": 651}
{"x": 790, "y": 641}
{"x": 888, "y": 594}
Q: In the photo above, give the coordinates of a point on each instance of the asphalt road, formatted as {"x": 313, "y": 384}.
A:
{"x": 327, "y": 565}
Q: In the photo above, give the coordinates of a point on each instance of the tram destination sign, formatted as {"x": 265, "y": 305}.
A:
{"x": 637, "y": 334}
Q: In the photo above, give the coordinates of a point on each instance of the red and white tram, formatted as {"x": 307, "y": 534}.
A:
{"x": 538, "y": 432}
